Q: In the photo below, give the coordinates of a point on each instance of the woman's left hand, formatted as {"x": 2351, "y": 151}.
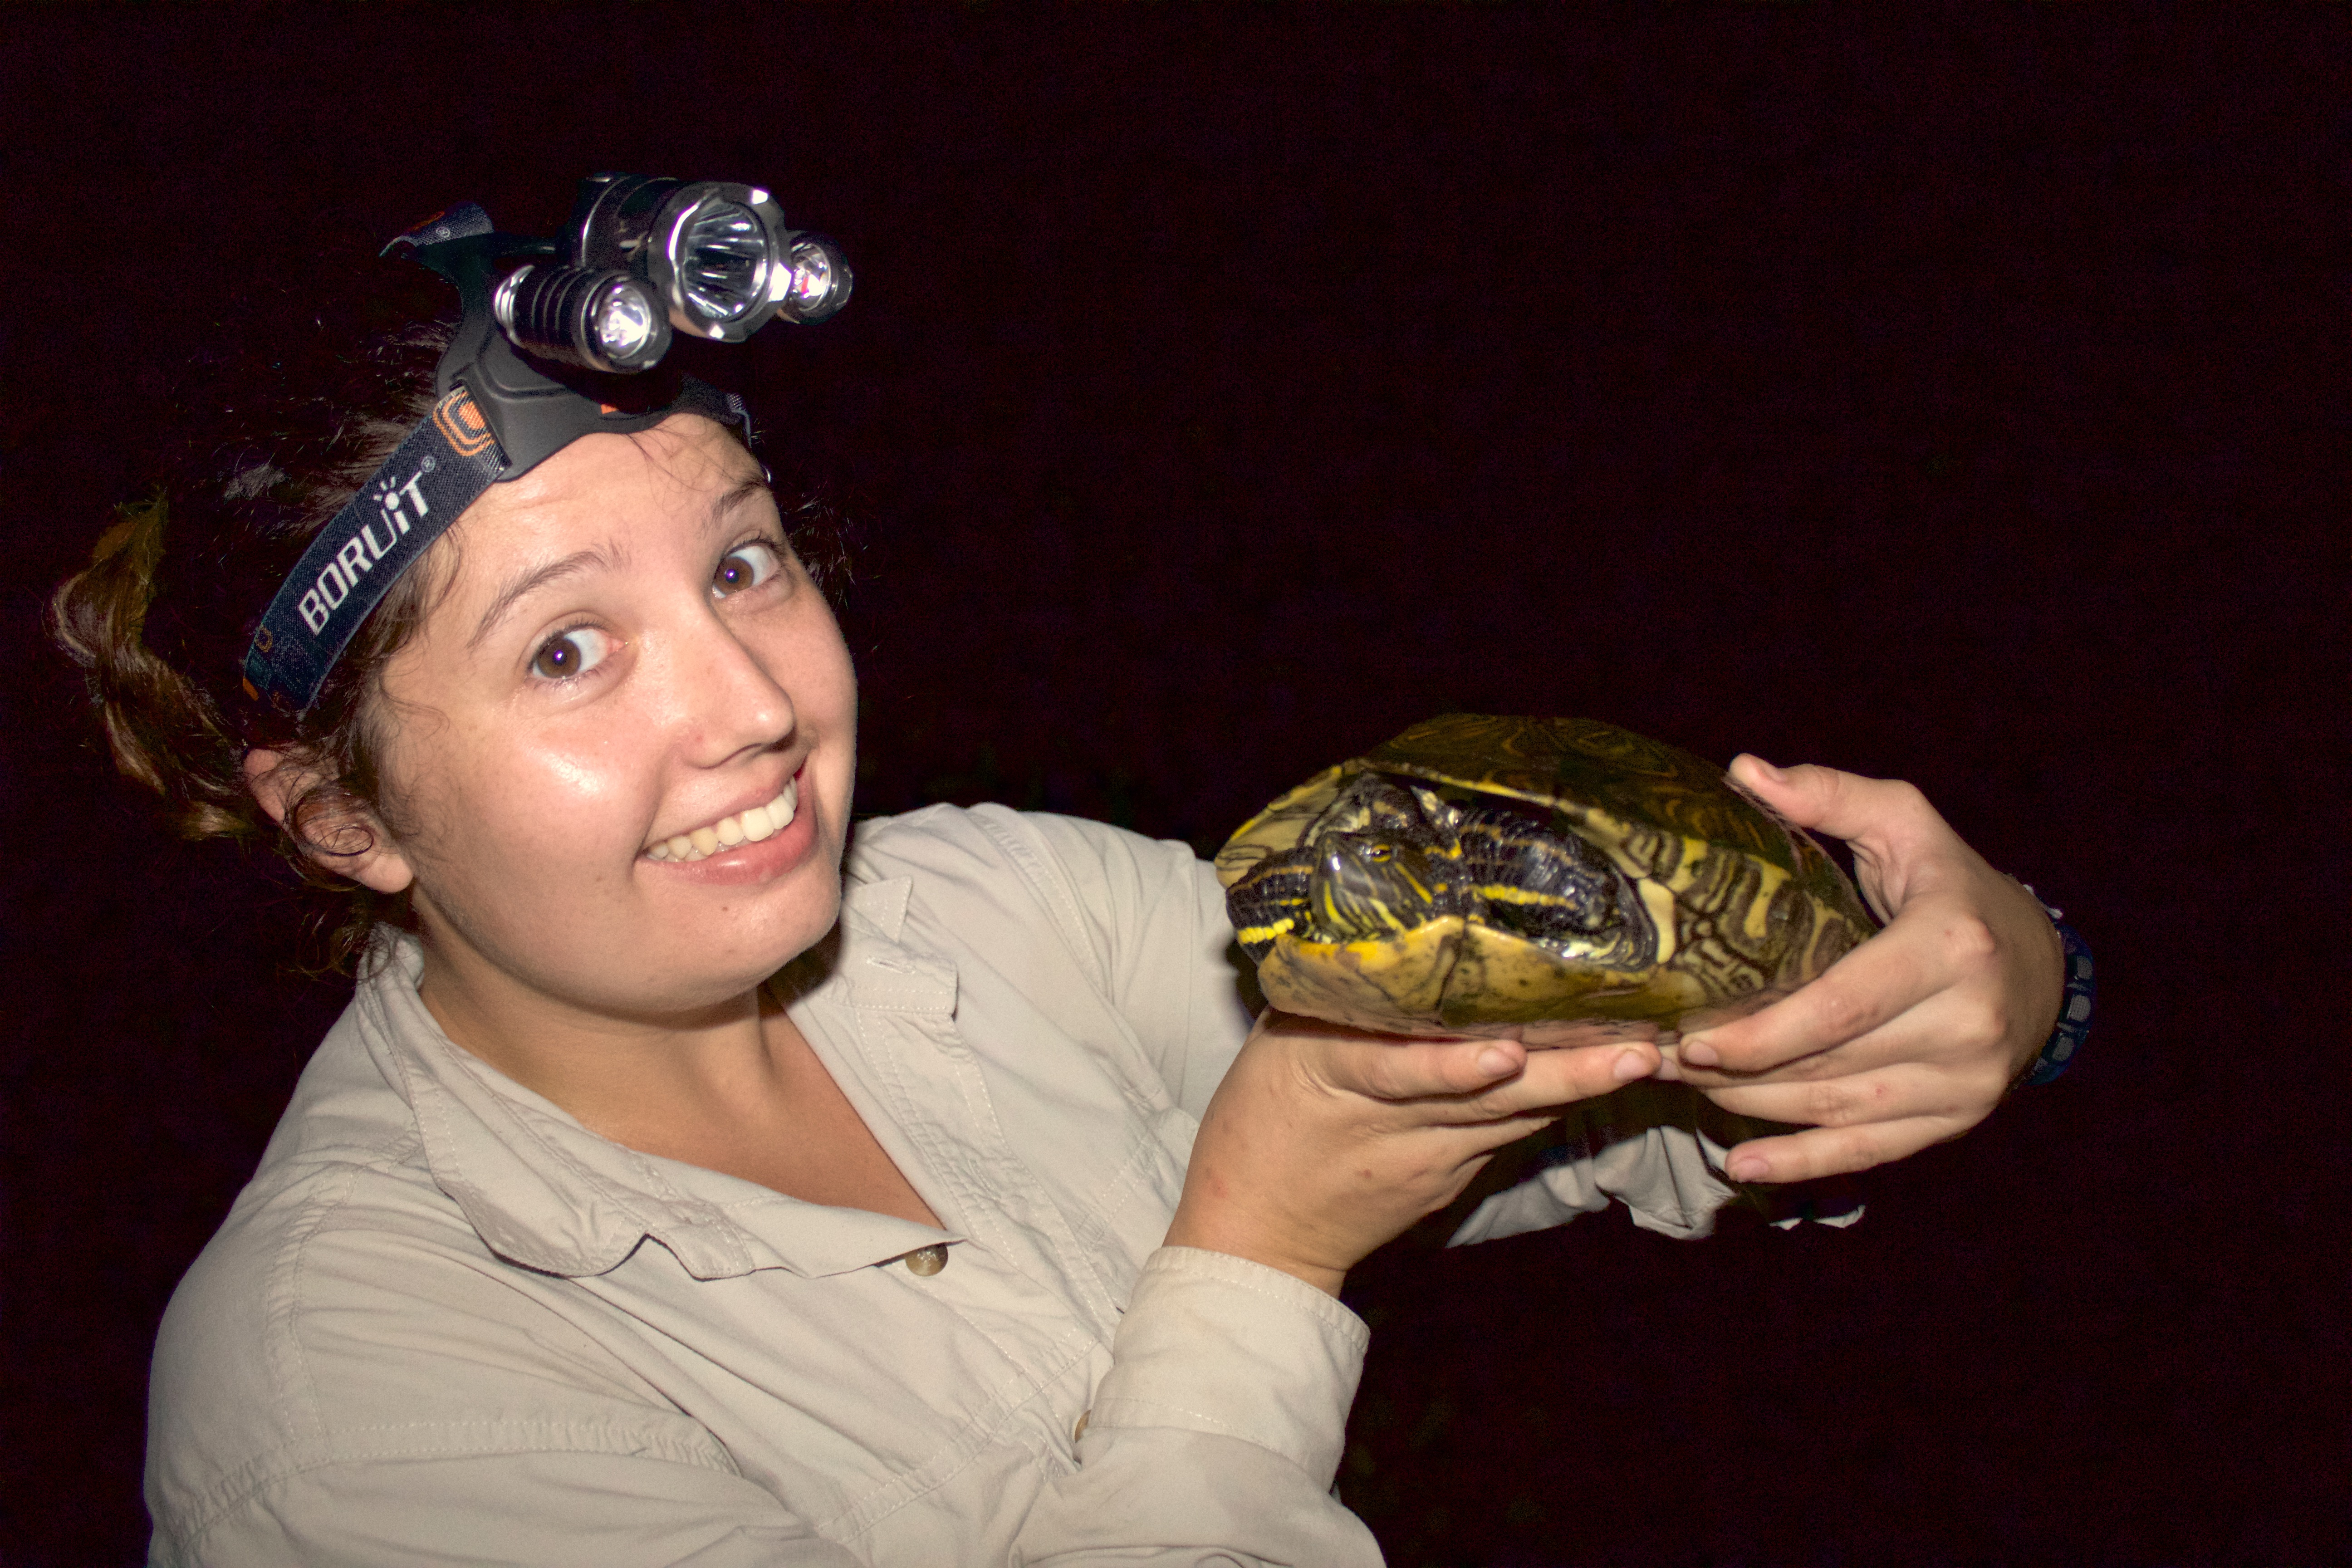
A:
{"x": 1913, "y": 1036}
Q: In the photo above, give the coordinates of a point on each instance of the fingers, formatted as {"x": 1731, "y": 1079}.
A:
{"x": 1484, "y": 1080}
{"x": 1841, "y": 805}
{"x": 1902, "y": 846}
{"x": 1835, "y": 1151}
{"x": 1901, "y": 1092}
{"x": 1942, "y": 984}
{"x": 1946, "y": 1057}
{"x": 1878, "y": 982}
{"x": 1322, "y": 1142}
{"x": 1406, "y": 1068}
{"x": 1562, "y": 1077}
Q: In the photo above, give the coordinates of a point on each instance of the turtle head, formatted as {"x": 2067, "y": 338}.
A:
{"x": 1376, "y": 860}
{"x": 1371, "y": 886}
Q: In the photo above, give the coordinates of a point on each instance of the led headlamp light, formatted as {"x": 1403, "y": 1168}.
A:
{"x": 643, "y": 261}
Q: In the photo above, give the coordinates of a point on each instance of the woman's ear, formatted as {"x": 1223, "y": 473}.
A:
{"x": 280, "y": 785}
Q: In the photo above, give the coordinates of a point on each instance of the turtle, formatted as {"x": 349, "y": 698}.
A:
{"x": 1478, "y": 872}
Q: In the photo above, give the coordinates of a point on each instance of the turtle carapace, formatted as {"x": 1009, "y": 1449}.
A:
{"x": 1498, "y": 871}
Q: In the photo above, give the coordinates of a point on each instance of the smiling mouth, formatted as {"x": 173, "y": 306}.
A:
{"x": 746, "y": 827}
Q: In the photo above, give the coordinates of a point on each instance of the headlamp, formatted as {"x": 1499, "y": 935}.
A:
{"x": 598, "y": 321}
{"x": 642, "y": 261}
{"x": 717, "y": 253}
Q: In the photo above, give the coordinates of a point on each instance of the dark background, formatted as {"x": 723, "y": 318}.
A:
{"x": 1955, "y": 396}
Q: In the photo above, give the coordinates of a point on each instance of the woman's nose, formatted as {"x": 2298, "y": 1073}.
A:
{"x": 726, "y": 699}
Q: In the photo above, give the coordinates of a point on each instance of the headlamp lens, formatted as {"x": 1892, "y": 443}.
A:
{"x": 623, "y": 320}
{"x": 814, "y": 283}
{"x": 721, "y": 258}
{"x": 577, "y": 315}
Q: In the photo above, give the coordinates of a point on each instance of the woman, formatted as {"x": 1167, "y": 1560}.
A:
{"x": 691, "y": 1180}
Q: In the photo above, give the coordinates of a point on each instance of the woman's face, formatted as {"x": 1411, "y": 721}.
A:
{"x": 621, "y": 746}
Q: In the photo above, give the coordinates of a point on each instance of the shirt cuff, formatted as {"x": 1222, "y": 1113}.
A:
{"x": 1216, "y": 1344}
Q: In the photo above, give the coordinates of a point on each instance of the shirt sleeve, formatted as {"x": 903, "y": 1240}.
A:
{"x": 617, "y": 1511}
{"x": 1213, "y": 1440}
{"x": 1214, "y": 1437}
{"x": 1154, "y": 918}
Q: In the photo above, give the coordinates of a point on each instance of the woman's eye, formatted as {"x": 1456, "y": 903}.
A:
{"x": 746, "y": 566}
{"x": 570, "y": 653}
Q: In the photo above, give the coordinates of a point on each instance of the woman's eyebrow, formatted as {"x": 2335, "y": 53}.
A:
{"x": 723, "y": 507}
{"x": 530, "y": 582}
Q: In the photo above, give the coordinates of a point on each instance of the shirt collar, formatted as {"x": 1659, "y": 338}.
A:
{"x": 544, "y": 1190}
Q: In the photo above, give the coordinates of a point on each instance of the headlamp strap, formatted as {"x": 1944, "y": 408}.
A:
{"x": 443, "y": 466}
{"x": 464, "y": 220}
{"x": 440, "y": 469}
{"x": 434, "y": 475}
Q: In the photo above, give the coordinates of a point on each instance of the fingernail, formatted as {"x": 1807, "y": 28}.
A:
{"x": 1495, "y": 1061}
{"x": 1778, "y": 775}
{"x": 1700, "y": 1054}
{"x": 1747, "y": 1168}
{"x": 1630, "y": 1065}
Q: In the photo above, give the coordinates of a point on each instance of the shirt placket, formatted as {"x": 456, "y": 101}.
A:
{"x": 903, "y": 1005}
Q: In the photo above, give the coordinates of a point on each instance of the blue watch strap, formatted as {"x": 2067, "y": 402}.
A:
{"x": 2073, "y": 1025}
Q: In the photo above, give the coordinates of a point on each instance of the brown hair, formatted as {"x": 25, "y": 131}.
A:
{"x": 298, "y": 402}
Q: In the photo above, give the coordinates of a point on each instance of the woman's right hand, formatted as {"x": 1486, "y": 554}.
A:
{"x": 1324, "y": 1142}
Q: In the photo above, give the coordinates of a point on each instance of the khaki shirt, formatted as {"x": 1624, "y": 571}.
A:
{"x": 447, "y": 1322}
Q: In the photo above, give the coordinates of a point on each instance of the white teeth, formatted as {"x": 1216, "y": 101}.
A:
{"x": 749, "y": 826}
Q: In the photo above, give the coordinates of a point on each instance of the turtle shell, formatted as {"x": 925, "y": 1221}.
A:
{"x": 1483, "y": 870}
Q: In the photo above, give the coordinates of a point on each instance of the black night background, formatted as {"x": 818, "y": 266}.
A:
{"x": 1954, "y": 394}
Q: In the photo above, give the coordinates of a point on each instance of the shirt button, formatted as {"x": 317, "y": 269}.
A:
{"x": 927, "y": 1260}
{"x": 1079, "y": 1430}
